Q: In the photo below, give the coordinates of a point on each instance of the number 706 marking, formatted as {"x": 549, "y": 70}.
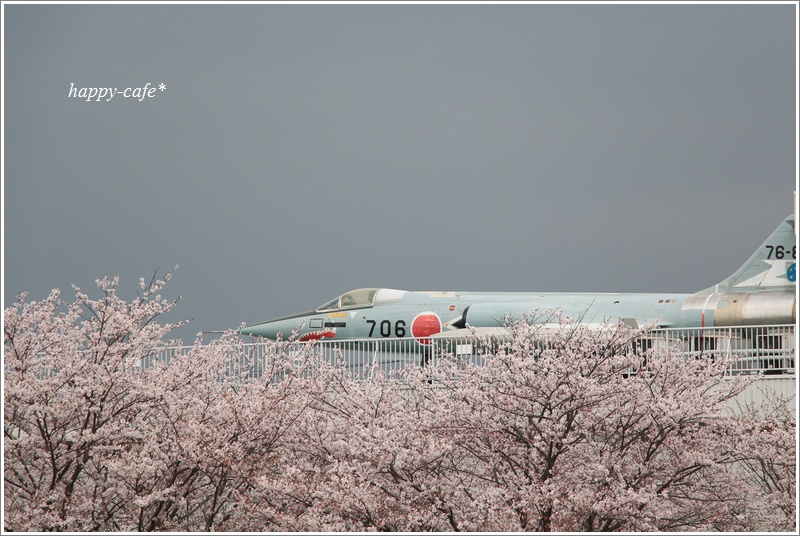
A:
{"x": 386, "y": 328}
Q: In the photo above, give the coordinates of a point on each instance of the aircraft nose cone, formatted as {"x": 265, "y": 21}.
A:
{"x": 285, "y": 327}
{"x": 267, "y": 329}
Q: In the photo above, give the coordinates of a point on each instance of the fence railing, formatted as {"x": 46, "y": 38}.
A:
{"x": 768, "y": 349}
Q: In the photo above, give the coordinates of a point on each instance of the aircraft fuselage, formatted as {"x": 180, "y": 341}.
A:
{"x": 760, "y": 292}
{"x": 398, "y": 314}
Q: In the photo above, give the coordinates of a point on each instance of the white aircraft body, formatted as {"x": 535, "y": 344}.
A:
{"x": 761, "y": 292}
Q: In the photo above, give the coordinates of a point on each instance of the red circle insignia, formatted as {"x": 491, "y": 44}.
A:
{"x": 424, "y": 325}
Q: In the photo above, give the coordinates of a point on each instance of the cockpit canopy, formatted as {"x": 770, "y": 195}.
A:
{"x": 363, "y": 297}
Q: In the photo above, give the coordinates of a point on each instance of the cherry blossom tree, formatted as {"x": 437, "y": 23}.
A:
{"x": 70, "y": 394}
{"x": 556, "y": 429}
{"x": 767, "y": 454}
{"x": 563, "y": 431}
{"x": 96, "y": 441}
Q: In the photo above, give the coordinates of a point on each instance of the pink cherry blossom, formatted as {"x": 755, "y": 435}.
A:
{"x": 557, "y": 430}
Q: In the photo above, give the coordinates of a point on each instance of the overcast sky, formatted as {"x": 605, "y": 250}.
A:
{"x": 300, "y": 151}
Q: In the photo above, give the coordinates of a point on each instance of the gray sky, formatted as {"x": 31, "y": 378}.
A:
{"x": 298, "y": 152}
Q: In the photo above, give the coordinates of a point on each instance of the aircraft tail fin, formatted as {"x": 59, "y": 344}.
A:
{"x": 773, "y": 266}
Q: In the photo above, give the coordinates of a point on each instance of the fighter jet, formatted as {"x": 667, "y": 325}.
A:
{"x": 761, "y": 292}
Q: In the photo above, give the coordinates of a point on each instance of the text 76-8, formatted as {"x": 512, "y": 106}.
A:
{"x": 780, "y": 252}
